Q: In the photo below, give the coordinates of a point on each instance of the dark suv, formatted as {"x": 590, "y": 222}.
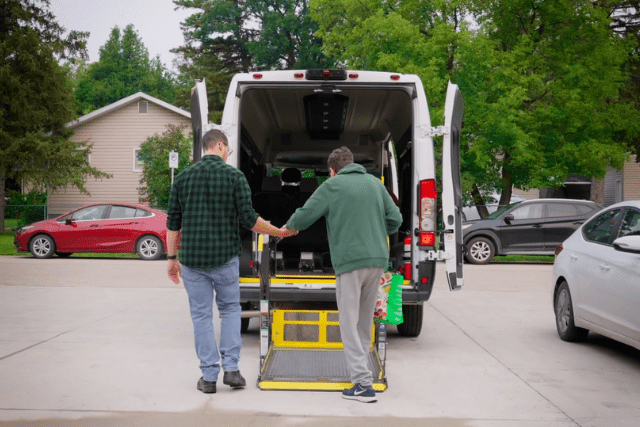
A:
{"x": 532, "y": 227}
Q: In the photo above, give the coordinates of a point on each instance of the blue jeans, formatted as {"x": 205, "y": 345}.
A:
{"x": 200, "y": 286}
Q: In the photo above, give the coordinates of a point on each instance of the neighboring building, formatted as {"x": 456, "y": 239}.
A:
{"x": 621, "y": 185}
{"x": 117, "y": 131}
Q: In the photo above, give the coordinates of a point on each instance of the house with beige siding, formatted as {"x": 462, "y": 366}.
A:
{"x": 117, "y": 131}
{"x": 619, "y": 185}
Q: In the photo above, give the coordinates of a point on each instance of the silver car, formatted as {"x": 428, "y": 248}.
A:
{"x": 596, "y": 276}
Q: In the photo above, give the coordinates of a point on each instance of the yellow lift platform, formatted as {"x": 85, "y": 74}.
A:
{"x": 302, "y": 349}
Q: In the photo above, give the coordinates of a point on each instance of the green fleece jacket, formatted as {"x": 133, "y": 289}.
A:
{"x": 360, "y": 215}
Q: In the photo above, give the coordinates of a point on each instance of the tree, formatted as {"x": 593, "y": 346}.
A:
{"x": 541, "y": 80}
{"x": 156, "y": 174}
{"x": 124, "y": 68}
{"x": 225, "y": 37}
{"x": 36, "y": 101}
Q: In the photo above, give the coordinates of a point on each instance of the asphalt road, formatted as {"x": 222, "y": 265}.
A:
{"x": 109, "y": 342}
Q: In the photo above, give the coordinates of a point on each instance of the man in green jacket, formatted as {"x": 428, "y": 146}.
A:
{"x": 360, "y": 215}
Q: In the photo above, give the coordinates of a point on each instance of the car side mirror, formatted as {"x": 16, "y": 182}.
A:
{"x": 508, "y": 218}
{"x": 68, "y": 221}
{"x": 627, "y": 244}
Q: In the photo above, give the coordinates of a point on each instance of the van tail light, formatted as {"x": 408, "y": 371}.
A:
{"x": 406, "y": 258}
{"x": 559, "y": 249}
{"x": 427, "y": 212}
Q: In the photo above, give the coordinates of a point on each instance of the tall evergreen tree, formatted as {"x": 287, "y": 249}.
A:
{"x": 124, "y": 68}
{"x": 225, "y": 37}
{"x": 36, "y": 100}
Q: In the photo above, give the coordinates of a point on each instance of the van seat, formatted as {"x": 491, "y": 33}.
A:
{"x": 308, "y": 185}
{"x": 271, "y": 183}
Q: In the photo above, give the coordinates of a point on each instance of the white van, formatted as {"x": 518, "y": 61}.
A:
{"x": 282, "y": 126}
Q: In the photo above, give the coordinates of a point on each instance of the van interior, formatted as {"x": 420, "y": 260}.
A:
{"x": 286, "y": 136}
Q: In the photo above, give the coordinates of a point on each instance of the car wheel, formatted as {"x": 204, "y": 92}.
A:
{"x": 42, "y": 246}
{"x": 149, "y": 248}
{"x": 64, "y": 254}
{"x": 567, "y": 330}
{"x": 480, "y": 251}
{"x": 412, "y": 320}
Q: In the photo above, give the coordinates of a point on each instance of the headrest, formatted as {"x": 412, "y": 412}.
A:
{"x": 291, "y": 176}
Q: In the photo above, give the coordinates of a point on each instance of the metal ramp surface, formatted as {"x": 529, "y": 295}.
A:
{"x": 312, "y": 369}
{"x": 306, "y": 354}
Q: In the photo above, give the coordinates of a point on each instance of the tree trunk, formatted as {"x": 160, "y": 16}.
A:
{"x": 597, "y": 190}
{"x": 479, "y": 202}
{"x": 2, "y": 200}
{"x": 507, "y": 184}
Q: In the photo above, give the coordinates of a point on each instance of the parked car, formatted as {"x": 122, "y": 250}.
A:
{"x": 596, "y": 277}
{"x": 531, "y": 227}
{"x": 102, "y": 227}
{"x": 470, "y": 213}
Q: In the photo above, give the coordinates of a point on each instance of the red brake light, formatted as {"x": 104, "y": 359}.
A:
{"x": 427, "y": 239}
{"x": 326, "y": 73}
{"x": 298, "y": 75}
{"x": 559, "y": 249}
{"x": 427, "y": 212}
{"x": 353, "y": 75}
{"x": 257, "y": 76}
{"x": 395, "y": 77}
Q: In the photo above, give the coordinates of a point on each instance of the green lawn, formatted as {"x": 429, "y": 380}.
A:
{"x": 525, "y": 258}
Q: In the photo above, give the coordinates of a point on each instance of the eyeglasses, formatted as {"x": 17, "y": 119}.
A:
{"x": 230, "y": 149}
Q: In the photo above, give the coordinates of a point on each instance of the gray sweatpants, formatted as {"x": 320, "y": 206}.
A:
{"x": 357, "y": 292}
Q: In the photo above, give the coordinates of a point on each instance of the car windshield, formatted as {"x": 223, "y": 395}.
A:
{"x": 502, "y": 210}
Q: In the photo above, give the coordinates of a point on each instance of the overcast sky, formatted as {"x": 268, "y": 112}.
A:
{"x": 156, "y": 21}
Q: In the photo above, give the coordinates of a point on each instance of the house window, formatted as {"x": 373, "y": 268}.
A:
{"x": 138, "y": 160}
{"x": 143, "y": 107}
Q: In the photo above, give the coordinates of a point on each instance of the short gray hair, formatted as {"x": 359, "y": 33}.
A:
{"x": 339, "y": 158}
{"x": 211, "y": 138}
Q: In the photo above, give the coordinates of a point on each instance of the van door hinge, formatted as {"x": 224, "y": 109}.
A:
{"x": 438, "y": 255}
{"x": 436, "y": 131}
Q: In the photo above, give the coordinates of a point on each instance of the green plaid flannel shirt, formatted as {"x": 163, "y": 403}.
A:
{"x": 207, "y": 202}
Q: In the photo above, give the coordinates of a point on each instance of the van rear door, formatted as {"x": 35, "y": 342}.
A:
{"x": 199, "y": 117}
{"x": 451, "y": 187}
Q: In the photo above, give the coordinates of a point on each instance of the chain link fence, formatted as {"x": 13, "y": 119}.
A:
{"x": 26, "y": 214}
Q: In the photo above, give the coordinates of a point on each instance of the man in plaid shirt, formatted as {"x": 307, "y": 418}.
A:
{"x": 208, "y": 200}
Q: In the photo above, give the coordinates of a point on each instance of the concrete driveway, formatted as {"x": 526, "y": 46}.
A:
{"x": 109, "y": 342}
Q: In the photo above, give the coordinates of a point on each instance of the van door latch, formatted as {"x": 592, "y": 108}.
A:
{"x": 438, "y": 255}
{"x": 437, "y": 131}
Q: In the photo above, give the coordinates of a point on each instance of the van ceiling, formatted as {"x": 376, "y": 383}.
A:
{"x": 276, "y": 120}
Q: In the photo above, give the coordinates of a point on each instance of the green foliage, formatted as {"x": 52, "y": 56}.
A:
{"x": 124, "y": 68}
{"x": 156, "y": 175}
{"x": 36, "y": 101}
{"x": 33, "y": 197}
{"x": 541, "y": 80}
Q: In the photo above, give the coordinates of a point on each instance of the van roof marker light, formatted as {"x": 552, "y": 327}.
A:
{"x": 298, "y": 75}
{"x": 257, "y": 76}
{"x": 395, "y": 77}
{"x": 353, "y": 75}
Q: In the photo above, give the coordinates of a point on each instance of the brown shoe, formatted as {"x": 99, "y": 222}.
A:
{"x": 206, "y": 386}
{"x": 234, "y": 379}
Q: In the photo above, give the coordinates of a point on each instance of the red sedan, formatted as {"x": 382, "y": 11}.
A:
{"x": 100, "y": 227}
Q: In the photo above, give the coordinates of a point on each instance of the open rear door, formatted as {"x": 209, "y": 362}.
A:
{"x": 199, "y": 117}
{"x": 451, "y": 187}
